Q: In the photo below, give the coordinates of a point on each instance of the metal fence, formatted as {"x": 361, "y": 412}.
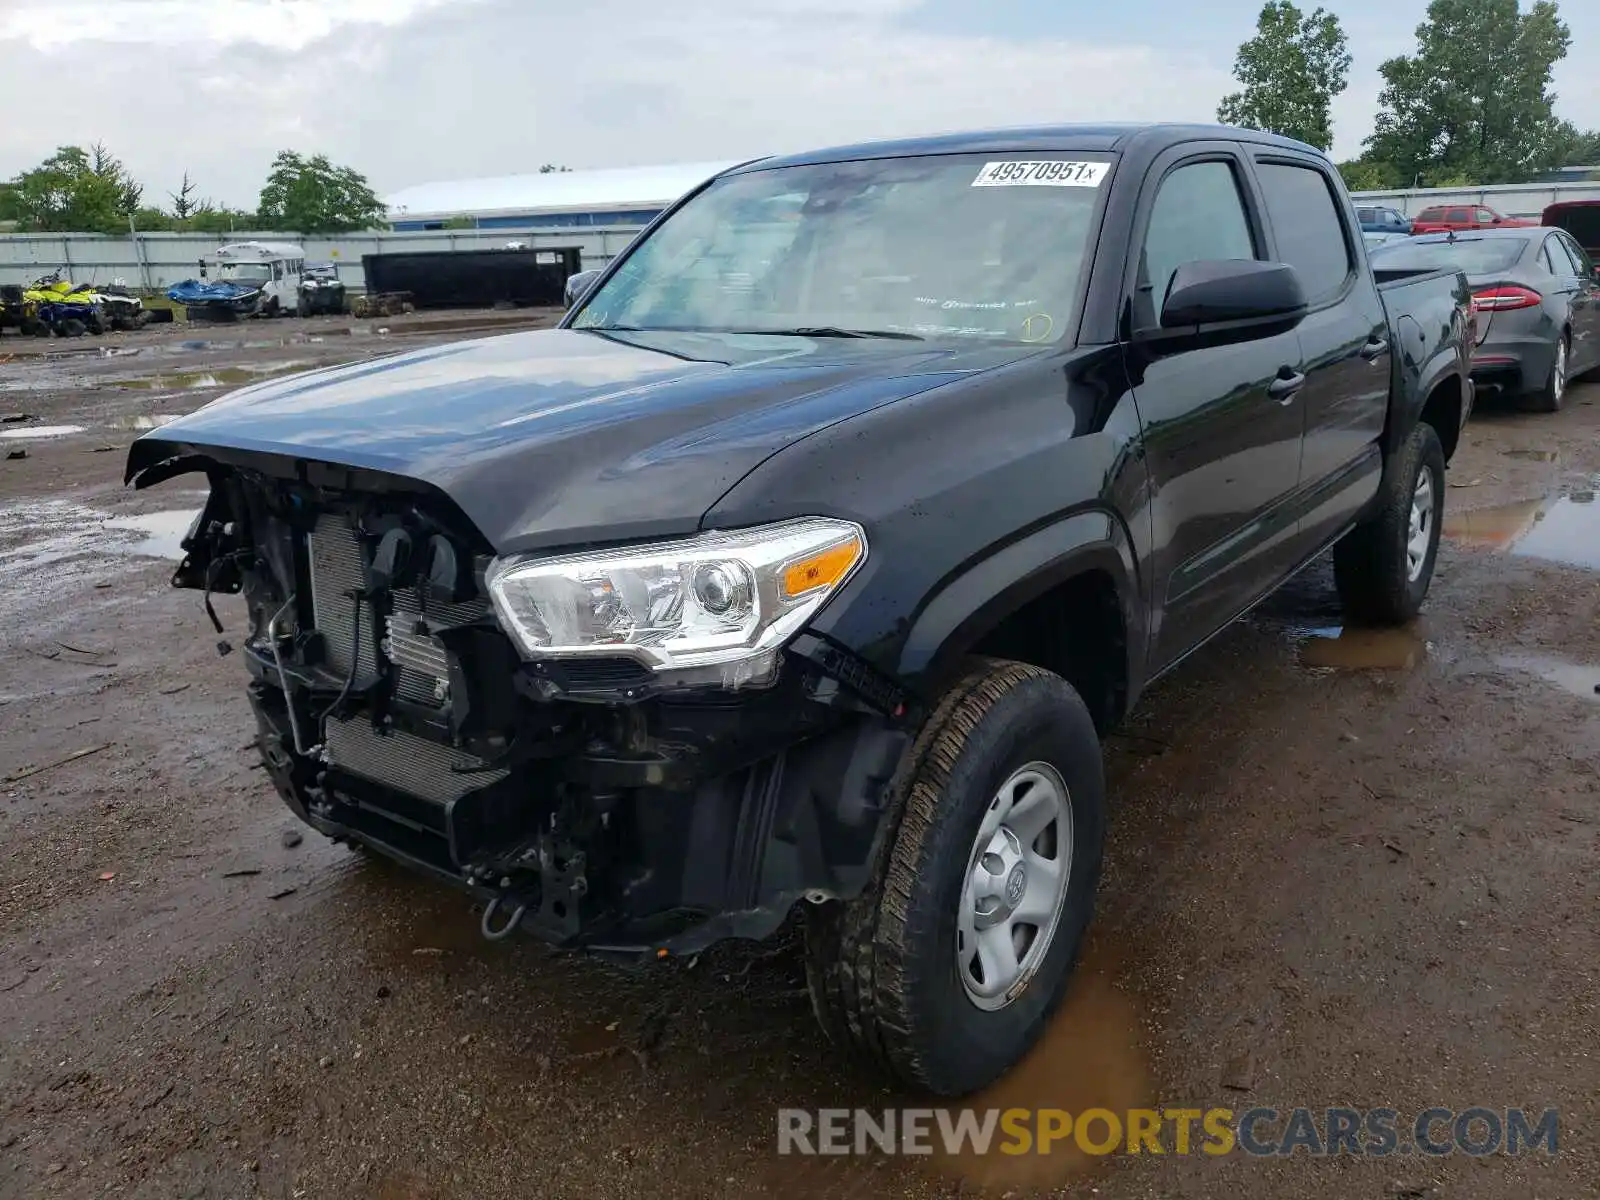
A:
{"x": 156, "y": 261}
{"x": 1526, "y": 200}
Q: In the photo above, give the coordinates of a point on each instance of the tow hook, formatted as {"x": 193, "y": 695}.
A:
{"x": 505, "y": 930}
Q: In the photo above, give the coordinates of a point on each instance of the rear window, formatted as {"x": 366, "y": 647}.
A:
{"x": 1369, "y": 215}
{"x": 1431, "y": 214}
{"x": 1480, "y": 256}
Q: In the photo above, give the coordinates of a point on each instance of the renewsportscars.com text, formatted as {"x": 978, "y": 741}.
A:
{"x": 1258, "y": 1132}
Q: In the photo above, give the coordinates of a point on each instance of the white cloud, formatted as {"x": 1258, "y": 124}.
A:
{"x": 284, "y": 24}
{"x": 412, "y": 90}
{"x": 415, "y": 90}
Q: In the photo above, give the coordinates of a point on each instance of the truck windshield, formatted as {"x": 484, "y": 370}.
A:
{"x": 946, "y": 246}
{"x": 1475, "y": 256}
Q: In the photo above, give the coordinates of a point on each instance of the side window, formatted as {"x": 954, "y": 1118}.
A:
{"x": 1484, "y": 217}
{"x": 277, "y": 269}
{"x": 1198, "y": 216}
{"x": 1306, "y": 227}
{"x": 1548, "y": 261}
{"x": 1431, "y": 214}
{"x": 1580, "y": 261}
{"x": 1458, "y": 216}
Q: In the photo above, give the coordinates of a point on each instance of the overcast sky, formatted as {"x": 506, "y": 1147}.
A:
{"x": 410, "y": 91}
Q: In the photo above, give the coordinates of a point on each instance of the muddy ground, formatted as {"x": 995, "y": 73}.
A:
{"x": 1344, "y": 869}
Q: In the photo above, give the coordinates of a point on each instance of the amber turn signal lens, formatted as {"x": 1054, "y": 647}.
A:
{"x": 823, "y": 569}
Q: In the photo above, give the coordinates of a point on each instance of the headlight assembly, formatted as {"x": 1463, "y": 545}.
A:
{"x": 713, "y": 609}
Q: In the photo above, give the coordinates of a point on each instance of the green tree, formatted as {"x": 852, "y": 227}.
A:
{"x": 1291, "y": 71}
{"x": 184, "y": 202}
{"x": 1580, "y": 148}
{"x": 75, "y": 190}
{"x": 311, "y": 195}
{"x": 1474, "y": 101}
{"x": 1363, "y": 175}
{"x": 207, "y": 219}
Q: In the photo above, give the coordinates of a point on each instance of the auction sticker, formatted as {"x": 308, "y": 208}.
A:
{"x": 1055, "y": 172}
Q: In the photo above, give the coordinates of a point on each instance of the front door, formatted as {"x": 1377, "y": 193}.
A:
{"x": 1222, "y": 428}
{"x": 1344, "y": 340}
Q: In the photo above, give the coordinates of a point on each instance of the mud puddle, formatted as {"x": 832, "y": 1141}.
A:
{"x": 142, "y": 421}
{"x": 29, "y": 432}
{"x": 1580, "y": 680}
{"x": 1089, "y": 1057}
{"x": 1351, "y": 648}
{"x": 212, "y": 378}
{"x": 1563, "y": 529}
{"x": 72, "y": 530}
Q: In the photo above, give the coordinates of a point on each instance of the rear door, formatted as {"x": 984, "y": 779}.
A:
{"x": 1221, "y": 426}
{"x": 1344, "y": 342}
{"x": 1585, "y": 303}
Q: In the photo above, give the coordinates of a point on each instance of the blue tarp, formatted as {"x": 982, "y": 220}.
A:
{"x": 198, "y": 291}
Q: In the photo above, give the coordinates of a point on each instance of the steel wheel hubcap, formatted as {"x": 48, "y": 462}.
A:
{"x": 1015, "y": 886}
{"x": 1421, "y": 528}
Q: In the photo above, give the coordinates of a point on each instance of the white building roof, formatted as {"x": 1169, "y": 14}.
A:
{"x": 558, "y": 191}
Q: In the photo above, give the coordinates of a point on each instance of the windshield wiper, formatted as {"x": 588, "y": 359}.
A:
{"x": 834, "y": 331}
{"x": 827, "y": 331}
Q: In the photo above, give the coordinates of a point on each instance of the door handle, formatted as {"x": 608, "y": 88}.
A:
{"x": 1283, "y": 388}
{"x": 1374, "y": 348}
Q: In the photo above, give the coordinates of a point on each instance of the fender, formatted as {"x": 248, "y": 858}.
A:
{"x": 967, "y": 605}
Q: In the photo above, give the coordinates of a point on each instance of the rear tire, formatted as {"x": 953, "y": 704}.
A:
{"x": 895, "y": 974}
{"x": 1383, "y": 566}
{"x": 1548, "y": 398}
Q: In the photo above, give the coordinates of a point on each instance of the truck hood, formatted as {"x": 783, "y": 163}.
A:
{"x": 560, "y": 437}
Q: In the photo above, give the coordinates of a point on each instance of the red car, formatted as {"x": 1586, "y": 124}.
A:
{"x": 1442, "y": 218}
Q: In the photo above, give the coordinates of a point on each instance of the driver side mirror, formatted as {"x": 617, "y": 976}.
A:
{"x": 578, "y": 284}
{"x": 1225, "y": 301}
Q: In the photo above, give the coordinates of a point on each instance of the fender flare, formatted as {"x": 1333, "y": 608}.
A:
{"x": 1442, "y": 366}
{"x": 974, "y": 599}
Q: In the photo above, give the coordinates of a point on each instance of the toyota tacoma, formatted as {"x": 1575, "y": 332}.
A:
{"x": 805, "y": 564}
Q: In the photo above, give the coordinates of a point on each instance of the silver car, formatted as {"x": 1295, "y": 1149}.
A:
{"x": 1536, "y": 297}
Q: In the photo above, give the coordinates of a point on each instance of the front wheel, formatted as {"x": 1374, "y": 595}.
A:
{"x": 945, "y": 970}
{"x": 1383, "y": 566}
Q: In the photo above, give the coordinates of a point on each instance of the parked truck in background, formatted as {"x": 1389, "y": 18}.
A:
{"x": 807, "y": 562}
{"x": 1459, "y": 217}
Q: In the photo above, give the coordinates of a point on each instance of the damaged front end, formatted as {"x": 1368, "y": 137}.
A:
{"x": 583, "y": 741}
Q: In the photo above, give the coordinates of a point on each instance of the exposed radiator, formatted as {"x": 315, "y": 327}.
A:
{"x": 336, "y": 573}
{"x": 399, "y": 760}
{"x": 402, "y": 761}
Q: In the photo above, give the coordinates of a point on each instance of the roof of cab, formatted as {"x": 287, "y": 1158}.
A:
{"x": 1100, "y": 138}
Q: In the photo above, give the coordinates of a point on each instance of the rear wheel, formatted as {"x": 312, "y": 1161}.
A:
{"x": 1548, "y": 398}
{"x": 945, "y": 970}
{"x": 1383, "y": 566}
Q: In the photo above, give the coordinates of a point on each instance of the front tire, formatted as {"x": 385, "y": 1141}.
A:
{"x": 945, "y": 970}
{"x": 1383, "y": 566}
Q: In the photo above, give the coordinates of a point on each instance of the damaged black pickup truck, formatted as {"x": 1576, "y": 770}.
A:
{"x": 806, "y": 561}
